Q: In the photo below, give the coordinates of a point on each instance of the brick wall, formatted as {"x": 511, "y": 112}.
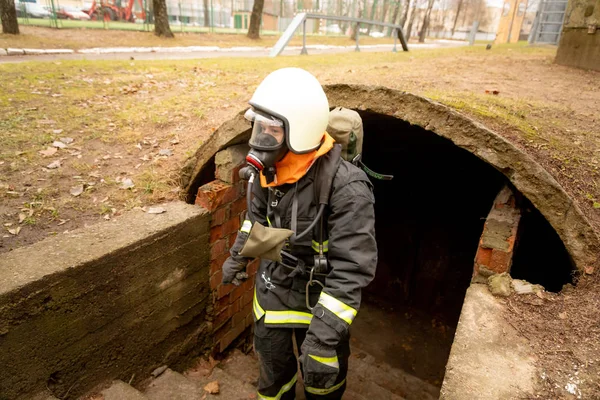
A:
{"x": 225, "y": 198}
{"x": 496, "y": 246}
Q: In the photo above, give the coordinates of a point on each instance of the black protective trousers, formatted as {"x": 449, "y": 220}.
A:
{"x": 279, "y": 366}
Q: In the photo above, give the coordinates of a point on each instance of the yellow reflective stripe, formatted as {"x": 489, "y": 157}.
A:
{"x": 268, "y": 221}
{"x": 315, "y": 246}
{"x": 284, "y": 389}
{"x": 341, "y": 310}
{"x": 246, "y": 226}
{"x": 258, "y": 310}
{"x": 329, "y": 361}
{"x": 324, "y": 391}
{"x": 287, "y": 317}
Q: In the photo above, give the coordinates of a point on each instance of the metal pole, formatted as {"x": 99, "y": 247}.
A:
{"x": 395, "y": 37}
{"x": 536, "y": 23}
{"x": 357, "y": 36}
{"x": 473, "y": 33}
{"x": 304, "y": 51}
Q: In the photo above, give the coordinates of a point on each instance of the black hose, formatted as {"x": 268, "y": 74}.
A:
{"x": 249, "y": 214}
{"x": 312, "y": 224}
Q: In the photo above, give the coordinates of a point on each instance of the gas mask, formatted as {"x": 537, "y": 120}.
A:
{"x": 267, "y": 144}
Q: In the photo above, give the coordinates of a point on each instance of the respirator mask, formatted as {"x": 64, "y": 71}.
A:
{"x": 267, "y": 144}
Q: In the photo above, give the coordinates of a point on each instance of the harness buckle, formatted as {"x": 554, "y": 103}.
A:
{"x": 311, "y": 282}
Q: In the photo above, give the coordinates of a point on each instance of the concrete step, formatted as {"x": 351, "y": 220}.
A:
{"x": 365, "y": 387}
{"x": 119, "y": 390}
{"x": 172, "y": 385}
{"x": 242, "y": 366}
{"x": 365, "y": 367}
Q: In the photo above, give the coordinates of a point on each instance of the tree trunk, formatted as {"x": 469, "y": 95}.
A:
{"x": 394, "y": 17}
{"x": 460, "y": 4}
{"x": 413, "y": 12}
{"x": 207, "y": 12}
{"x": 405, "y": 14}
{"x": 373, "y": 9}
{"x": 386, "y": 7}
{"x": 425, "y": 24}
{"x": 255, "y": 18}
{"x": 161, "y": 19}
{"x": 362, "y": 7}
{"x": 8, "y": 15}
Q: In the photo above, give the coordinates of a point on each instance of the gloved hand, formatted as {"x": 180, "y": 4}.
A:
{"x": 320, "y": 366}
{"x": 234, "y": 268}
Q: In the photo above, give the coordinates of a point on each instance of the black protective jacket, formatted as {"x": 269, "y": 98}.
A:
{"x": 348, "y": 235}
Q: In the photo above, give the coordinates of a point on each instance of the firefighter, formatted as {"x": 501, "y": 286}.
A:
{"x": 310, "y": 288}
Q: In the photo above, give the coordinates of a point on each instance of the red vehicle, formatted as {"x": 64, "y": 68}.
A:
{"x": 113, "y": 11}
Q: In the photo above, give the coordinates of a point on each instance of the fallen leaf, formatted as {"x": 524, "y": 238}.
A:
{"x": 156, "y": 210}
{"x": 127, "y": 183}
{"x": 139, "y": 146}
{"x": 174, "y": 141}
{"x": 165, "y": 152}
{"x": 67, "y": 140}
{"x": 59, "y": 144}
{"x": 48, "y": 152}
{"x": 15, "y": 231}
{"x": 22, "y": 217}
{"x": 63, "y": 221}
{"x": 492, "y": 91}
{"x": 57, "y": 131}
{"x": 106, "y": 217}
{"x": 77, "y": 190}
{"x": 589, "y": 269}
{"x": 212, "y": 387}
{"x": 54, "y": 165}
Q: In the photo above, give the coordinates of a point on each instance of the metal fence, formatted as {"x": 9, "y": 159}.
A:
{"x": 233, "y": 16}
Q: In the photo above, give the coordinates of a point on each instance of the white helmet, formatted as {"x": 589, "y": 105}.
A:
{"x": 295, "y": 97}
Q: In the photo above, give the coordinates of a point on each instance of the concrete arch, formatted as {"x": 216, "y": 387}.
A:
{"x": 533, "y": 181}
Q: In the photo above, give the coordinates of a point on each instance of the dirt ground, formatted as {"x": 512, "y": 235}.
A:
{"x": 75, "y": 136}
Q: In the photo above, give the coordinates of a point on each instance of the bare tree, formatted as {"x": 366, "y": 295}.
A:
{"x": 207, "y": 12}
{"x": 255, "y": 19}
{"x": 413, "y": 12}
{"x": 384, "y": 12}
{"x": 425, "y": 24}
{"x": 373, "y": 9}
{"x": 394, "y": 16}
{"x": 8, "y": 15}
{"x": 161, "y": 19}
{"x": 405, "y": 13}
{"x": 362, "y": 9}
{"x": 460, "y": 4}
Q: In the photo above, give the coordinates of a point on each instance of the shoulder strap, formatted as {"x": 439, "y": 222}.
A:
{"x": 326, "y": 169}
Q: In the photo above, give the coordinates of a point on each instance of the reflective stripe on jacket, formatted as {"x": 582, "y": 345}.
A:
{"x": 351, "y": 252}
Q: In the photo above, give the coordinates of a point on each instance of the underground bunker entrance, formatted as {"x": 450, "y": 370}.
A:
{"x": 429, "y": 220}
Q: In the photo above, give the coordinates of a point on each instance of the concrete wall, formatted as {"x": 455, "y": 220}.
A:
{"x": 109, "y": 301}
{"x": 580, "y": 41}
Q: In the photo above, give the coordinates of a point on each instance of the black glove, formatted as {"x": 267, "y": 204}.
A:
{"x": 320, "y": 366}
{"x": 234, "y": 268}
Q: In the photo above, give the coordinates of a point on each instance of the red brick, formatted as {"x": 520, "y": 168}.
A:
{"x": 231, "y": 336}
{"x": 249, "y": 320}
{"x": 483, "y": 256}
{"x": 222, "y": 318}
{"x": 231, "y": 226}
{"x": 235, "y": 307}
{"x": 252, "y": 267}
{"x": 223, "y": 290}
{"x": 219, "y": 333}
{"x": 247, "y": 297}
{"x": 238, "y": 206}
{"x": 221, "y": 304}
{"x": 236, "y": 294}
{"x": 217, "y": 264}
{"x": 248, "y": 285}
{"x": 219, "y": 216}
{"x": 500, "y": 261}
{"x": 216, "y": 193}
{"x": 218, "y": 248}
{"x": 238, "y": 319}
{"x": 232, "y": 195}
{"x": 231, "y": 240}
{"x": 216, "y": 279}
{"x": 216, "y": 233}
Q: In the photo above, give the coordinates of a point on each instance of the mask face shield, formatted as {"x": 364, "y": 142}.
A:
{"x": 268, "y": 133}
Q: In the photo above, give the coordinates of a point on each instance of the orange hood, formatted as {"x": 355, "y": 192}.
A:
{"x": 293, "y": 166}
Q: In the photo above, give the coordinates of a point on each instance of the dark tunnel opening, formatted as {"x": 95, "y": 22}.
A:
{"x": 429, "y": 220}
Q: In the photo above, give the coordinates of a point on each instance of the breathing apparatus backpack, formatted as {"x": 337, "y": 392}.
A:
{"x": 345, "y": 126}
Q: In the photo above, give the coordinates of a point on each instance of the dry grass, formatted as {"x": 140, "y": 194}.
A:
{"x": 122, "y": 114}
